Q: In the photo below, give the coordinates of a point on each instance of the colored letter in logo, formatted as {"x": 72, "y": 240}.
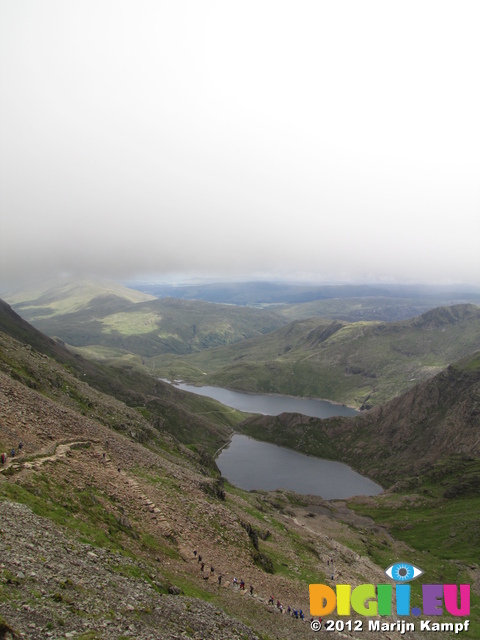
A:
{"x": 363, "y": 600}
{"x": 322, "y": 600}
{"x": 450, "y": 596}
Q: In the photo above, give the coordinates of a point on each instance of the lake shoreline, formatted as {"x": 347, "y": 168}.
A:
{"x": 175, "y": 383}
{"x": 254, "y": 465}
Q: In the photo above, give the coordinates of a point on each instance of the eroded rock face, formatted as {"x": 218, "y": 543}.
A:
{"x": 57, "y": 587}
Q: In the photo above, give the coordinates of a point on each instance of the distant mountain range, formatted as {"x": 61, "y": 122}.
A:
{"x": 361, "y": 363}
{"x": 262, "y": 293}
{"x": 125, "y": 321}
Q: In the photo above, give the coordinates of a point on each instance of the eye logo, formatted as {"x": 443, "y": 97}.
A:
{"x": 403, "y": 572}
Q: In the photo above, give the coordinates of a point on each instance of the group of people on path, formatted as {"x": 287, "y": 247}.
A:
{"x": 235, "y": 582}
{"x": 295, "y": 613}
{"x": 298, "y": 614}
{"x": 3, "y": 456}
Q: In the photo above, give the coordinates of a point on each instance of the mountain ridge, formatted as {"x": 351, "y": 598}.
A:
{"x": 360, "y": 364}
{"x": 405, "y": 436}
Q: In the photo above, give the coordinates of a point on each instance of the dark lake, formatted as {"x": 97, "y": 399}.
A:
{"x": 271, "y": 405}
{"x": 250, "y": 464}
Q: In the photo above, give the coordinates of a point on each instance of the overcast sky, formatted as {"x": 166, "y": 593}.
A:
{"x": 329, "y": 140}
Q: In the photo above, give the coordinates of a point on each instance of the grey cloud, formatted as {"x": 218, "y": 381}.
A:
{"x": 219, "y": 139}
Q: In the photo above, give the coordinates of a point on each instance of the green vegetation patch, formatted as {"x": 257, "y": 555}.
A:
{"x": 83, "y": 511}
{"x": 131, "y": 323}
{"x": 444, "y": 533}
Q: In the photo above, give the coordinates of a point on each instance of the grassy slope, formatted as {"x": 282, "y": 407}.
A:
{"x": 60, "y": 296}
{"x": 359, "y": 363}
{"x": 101, "y": 317}
{"x": 437, "y": 514}
{"x": 191, "y": 418}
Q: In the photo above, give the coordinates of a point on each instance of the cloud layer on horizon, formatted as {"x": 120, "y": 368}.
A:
{"x": 336, "y": 141}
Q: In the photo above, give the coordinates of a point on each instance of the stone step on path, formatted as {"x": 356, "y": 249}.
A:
{"x": 146, "y": 503}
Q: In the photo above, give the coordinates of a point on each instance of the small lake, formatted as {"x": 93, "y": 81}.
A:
{"x": 251, "y": 464}
{"x": 271, "y": 405}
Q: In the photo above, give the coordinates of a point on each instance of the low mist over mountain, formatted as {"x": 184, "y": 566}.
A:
{"x": 272, "y": 198}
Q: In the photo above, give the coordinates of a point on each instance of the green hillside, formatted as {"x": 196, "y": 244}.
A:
{"x": 124, "y": 321}
{"x": 64, "y": 295}
{"x": 400, "y": 439}
{"x": 361, "y": 364}
{"x": 191, "y": 418}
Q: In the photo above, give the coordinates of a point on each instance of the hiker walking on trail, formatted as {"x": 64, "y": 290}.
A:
{"x": 20, "y": 446}
{"x": 3, "y": 458}
{"x": 201, "y": 566}
{"x": 219, "y": 580}
{"x": 212, "y": 570}
{"x": 251, "y": 590}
